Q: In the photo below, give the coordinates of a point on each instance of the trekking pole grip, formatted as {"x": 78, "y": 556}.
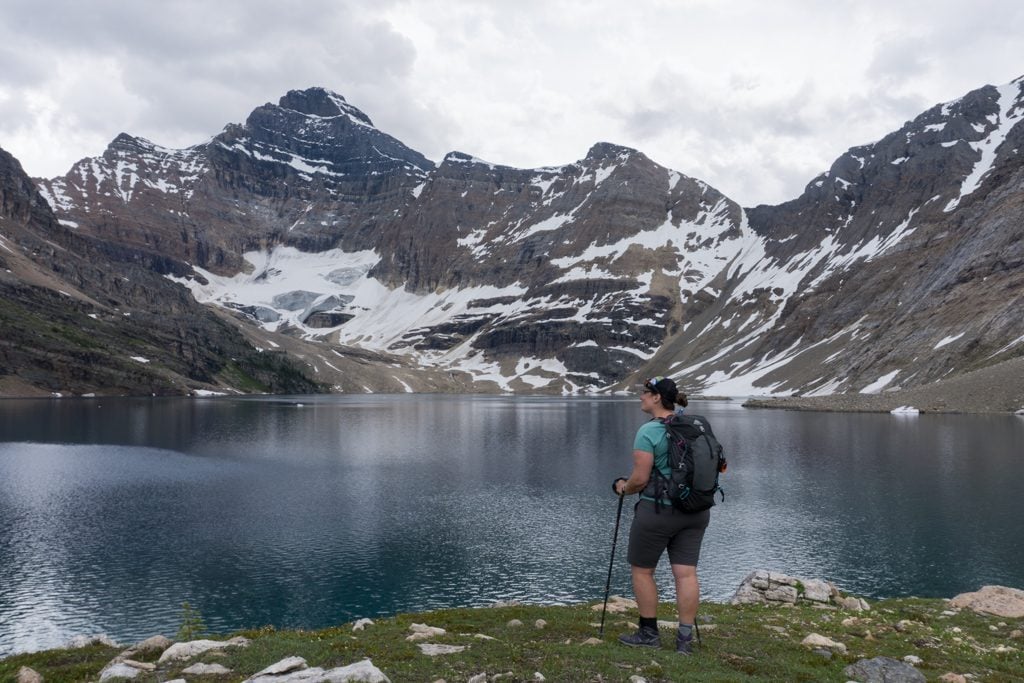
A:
{"x": 615, "y": 487}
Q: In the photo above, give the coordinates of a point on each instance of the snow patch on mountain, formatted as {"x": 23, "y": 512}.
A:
{"x": 988, "y": 147}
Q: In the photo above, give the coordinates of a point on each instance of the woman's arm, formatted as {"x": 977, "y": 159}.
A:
{"x": 643, "y": 461}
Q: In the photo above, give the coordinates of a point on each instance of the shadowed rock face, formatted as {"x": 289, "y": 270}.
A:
{"x": 899, "y": 266}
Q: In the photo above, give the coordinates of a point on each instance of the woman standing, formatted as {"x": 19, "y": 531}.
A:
{"x": 658, "y": 526}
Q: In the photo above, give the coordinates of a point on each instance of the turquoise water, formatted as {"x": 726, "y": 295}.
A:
{"x": 313, "y": 511}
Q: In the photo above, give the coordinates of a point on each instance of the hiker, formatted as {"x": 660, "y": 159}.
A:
{"x": 657, "y": 526}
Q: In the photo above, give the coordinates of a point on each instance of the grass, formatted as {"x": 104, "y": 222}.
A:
{"x": 749, "y": 643}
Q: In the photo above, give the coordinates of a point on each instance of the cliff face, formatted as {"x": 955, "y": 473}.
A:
{"x": 897, "y": 267}
{"x": 80, "y": 315}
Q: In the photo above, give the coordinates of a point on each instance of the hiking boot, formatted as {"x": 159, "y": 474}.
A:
{"x": 644, "y": 637}
{"x": 684, "y": 644}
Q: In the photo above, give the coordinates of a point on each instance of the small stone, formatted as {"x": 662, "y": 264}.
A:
{"x": 1016, "y": 634}
{"x": 501, "y": 677}
{"x": 956, "y": 629}
{"x": 593, "y": 641}
{"x": 286, "y": 665}
{"x": 481, "y": 636}
{"x": 822, "y": 652}
{"x": 778, "y": 629}
{"x": 479, "y": 678}
{"x": 637, "y": 679}
{"x": 540, "y": 623}
{"x": 362, "y": 624}
{"x": 952, "y": 678}
{"x": 514, "y": 623}
{"x": 913, "y": 660}
{"x": 538, "y": 676}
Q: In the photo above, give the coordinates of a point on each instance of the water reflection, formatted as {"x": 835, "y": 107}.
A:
{"x": 311, "y": 511}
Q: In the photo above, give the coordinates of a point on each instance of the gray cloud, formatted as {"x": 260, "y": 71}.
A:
{"x": 755, "y": 98}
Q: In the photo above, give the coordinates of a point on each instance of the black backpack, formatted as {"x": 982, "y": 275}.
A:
{"x": 695, "y": 458}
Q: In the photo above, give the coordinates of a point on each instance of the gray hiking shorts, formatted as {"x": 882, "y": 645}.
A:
{"x": 653, "y": 531}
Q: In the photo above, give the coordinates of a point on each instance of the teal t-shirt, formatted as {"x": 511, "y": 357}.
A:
{"x": 651, "y": 438}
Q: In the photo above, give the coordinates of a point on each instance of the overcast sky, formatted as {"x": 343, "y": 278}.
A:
{"x": 755, "y": 97}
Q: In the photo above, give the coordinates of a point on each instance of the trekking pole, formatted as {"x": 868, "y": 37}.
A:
{"x": 611, "y": 562}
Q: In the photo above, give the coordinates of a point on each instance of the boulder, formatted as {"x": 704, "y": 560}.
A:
{"x": 424, "y": 632}
{"x": 883, "y": 670}
{"x": 616, "y": 605}
{"x": 295, "y": 670}
{"x": 362, "y": 624}
{"x": 816, "y": 640}
{"x": 196, "y": 647}
{"x": 773, "y": 588}
{"x": 206, "y": 670}
{"x": 27, "y": 675}
{"x": 996, "y": 600}
{"x": 118, "y": 670}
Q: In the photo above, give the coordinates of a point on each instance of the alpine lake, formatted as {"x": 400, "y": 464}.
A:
{"x": 312, "y": 511}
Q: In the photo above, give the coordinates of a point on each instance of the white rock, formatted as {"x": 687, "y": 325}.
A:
{"x": 818, "y": 640}
{"x": 86, "y": 641}
{"x": 913, "y": 660}
{"x": 481, "y": 636}
{"x": 514, "y": 623}
{"x": 787, "y": 594}
{"x": 153, "y": 644}
{"x": 593, "y": 641}
{"x": 197, "y": 647}
{"x": 616, "y": 605}
{"x": 27, "y": 675}
{"x": 538, "y": 676}
{"x": 285, "y": 666}
{"x": 206, "y": 670}
{"x": 118, "y": 670}
{"x": 637, "y": 679}
{"x": 360, "y": 672}
{"x": 540, "y": 623}
{"x": 996, "y": 600}
{"x": 424, "y": 632}
{"x": 141, "y": 666}
{"x": 817, "y": 590}
{"x": 362, "y": 624}
{"x": 434, "y": 649}
{"x": 479, "y": 678}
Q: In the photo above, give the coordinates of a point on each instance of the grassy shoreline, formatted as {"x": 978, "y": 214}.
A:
{"x": 740, "y": 642}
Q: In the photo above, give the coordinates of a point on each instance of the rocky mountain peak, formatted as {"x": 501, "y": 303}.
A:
{"x": 323, "y": 103}
{"x": 606, "y": 151}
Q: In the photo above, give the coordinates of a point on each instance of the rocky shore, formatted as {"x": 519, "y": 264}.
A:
{"x": 997, "y": 389}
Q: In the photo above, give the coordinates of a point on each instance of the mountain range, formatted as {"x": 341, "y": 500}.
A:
{"x": 307, "y": 250}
